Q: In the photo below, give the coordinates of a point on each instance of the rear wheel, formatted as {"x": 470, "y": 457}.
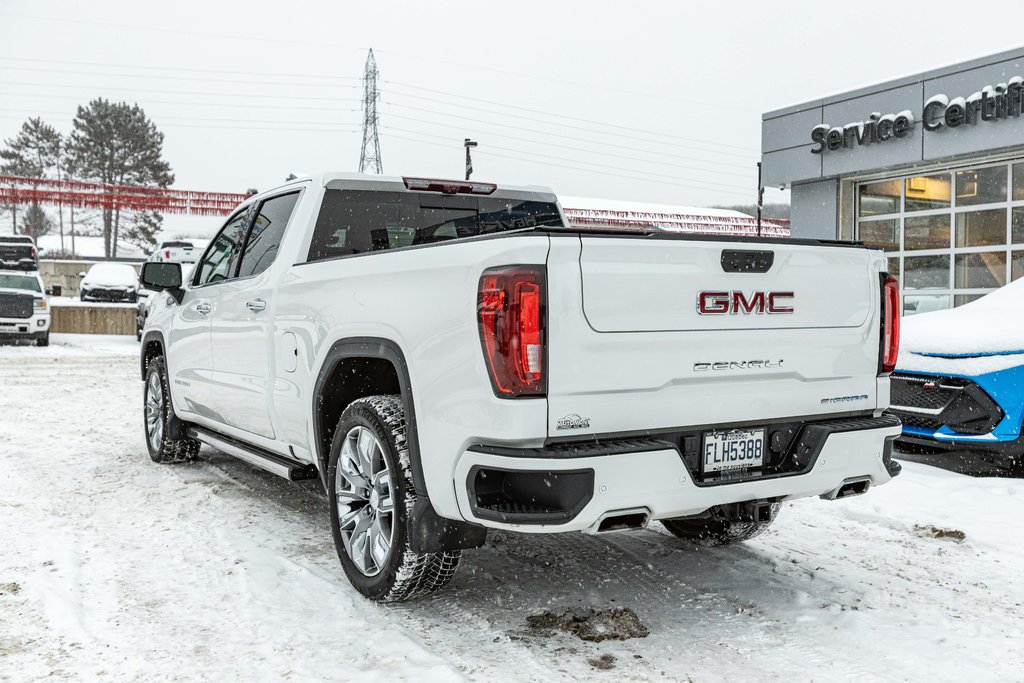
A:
{"x": 370, "y": 489}
{"x": 713, "y": 528}
{"x": 162, "y": 426}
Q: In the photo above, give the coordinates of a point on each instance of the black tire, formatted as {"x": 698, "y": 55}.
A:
{"x": 44, "y": 340}
{"x": 711, "y": 528}
{"x": 168, "y": 443}
{"x": 400, "y": 574}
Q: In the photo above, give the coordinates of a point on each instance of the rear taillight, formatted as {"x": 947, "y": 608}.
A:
{"x": 890, "y": 334}
{"x": 167, "y": 254}
{"x": 33, "y": 252}
{"x": 511, "y": 309}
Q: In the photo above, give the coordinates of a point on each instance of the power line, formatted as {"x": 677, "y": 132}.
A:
{"x": 575, "y": 168}
{"x": 235, "y": 126}
{"x": 175, "y": 68}
{"x": 505, "y": 105}
{"x": 190, "y": 79}
{"x": 197, "y": 104}
{"x": 277, "y": 96}
{"x": 578, "y": 149}
{"x": 534, "y": 130}
{"x": 539, "y": 159}
{"x": 599, "y": 150}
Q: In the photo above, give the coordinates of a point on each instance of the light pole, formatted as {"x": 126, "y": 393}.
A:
{"x": 469, "y": 160}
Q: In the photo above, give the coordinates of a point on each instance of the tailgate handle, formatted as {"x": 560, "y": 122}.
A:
{"x": 743, "y": 261}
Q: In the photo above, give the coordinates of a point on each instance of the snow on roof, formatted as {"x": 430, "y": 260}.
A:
{"x": 991, "y": 327}
{"x": 588, "y": 212}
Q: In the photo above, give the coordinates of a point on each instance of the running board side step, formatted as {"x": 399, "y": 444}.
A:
{"x": 265, "y": 460}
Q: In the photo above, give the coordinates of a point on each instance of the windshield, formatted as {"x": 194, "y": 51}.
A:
{"x": 357, "y": 221}
{"x": 11, "y": 281}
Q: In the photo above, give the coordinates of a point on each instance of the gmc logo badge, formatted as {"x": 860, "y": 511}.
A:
{"x": 714, "y": 303}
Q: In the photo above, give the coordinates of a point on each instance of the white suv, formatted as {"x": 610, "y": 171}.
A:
{"x": 448, "y": 357}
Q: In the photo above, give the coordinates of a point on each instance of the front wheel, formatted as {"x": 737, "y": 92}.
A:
{"x": 713, "y": 528}
{"x": 163, "y": 428}
{"x": 370, "y": 491}
{"x": 43, "y": 339}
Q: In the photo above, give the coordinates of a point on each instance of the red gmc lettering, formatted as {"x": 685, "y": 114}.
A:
{"x": 773, "y": 302}
{"x": 717, "y": 303}
{"x": 740, "y": 304}
{"x": 712, "y": 302}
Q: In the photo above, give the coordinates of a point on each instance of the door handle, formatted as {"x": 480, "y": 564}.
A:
{"x": 256, "y": 305}
{"x": 203, "y": 308}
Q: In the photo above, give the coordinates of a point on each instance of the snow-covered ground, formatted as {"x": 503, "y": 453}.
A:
{"x": 115, "y": 568}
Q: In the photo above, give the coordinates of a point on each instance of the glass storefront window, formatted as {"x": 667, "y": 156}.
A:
{"x": 882, "y": 234}
{"x": 926, "y": 232}
{"x": 981, "y": 186}
{"x": 893, "y": 267}
{"x": 1017, "y": 224}
{"x": 1016, "y": 265}
{"x": 961, "y": 299}
{"x": 986, "y": 270}
{"x": 927, "y": 192}
{"x": 1018, "y": 182}
{"x": 923, "y": 303}
{"x": 981, "y": 228}
{"x": 875, "y": 199}
{"x": 926, "y": 272}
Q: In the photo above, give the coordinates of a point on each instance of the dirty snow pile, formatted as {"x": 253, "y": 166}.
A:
{"x": 115, "y": 568}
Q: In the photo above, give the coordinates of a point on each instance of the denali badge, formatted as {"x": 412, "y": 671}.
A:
{"x": 845, "y": 399}
{"x": 713, "y": 303}
{"x": 737, "y": 365}
{"x": 573, "y": 421}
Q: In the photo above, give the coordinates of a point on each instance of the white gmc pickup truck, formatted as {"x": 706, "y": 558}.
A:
{"x": 448, "y": 357}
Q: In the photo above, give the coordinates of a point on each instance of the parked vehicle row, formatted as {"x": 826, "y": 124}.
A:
{"x": 449, "y": 357}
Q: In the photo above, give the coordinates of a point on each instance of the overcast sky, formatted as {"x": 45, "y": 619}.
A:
{"x": 648, "y": 101}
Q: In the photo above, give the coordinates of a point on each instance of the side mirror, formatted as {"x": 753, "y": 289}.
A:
{"x": 81, "y": 275}
{"x": 162, "y": 277}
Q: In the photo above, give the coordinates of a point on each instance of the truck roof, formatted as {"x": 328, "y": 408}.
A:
{"x": 348, "y": 180}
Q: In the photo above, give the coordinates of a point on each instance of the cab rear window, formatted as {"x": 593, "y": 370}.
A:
{"x": 356, "y": 221}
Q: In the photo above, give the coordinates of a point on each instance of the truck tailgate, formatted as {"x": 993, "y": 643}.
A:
{"x": 630, "y": 352}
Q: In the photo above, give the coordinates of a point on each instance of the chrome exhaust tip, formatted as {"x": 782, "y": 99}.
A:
{"x": 621, "y": 520}
{"x": 855, "y": 486}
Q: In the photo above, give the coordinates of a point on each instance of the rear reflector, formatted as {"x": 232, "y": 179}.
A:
{"x": 449, "y": 186}
{"x": 510, "y": 309}
{"x": 890, "y": 333}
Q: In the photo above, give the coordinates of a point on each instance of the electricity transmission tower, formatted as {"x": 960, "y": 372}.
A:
{"x": 369, "y": 157}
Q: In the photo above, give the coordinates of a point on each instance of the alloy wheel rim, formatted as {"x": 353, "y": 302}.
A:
{"x": 155, "y": 412}
{"x": 365, "y": 501}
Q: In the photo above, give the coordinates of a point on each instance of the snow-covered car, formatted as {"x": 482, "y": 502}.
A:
{"x": 175, "y": 251}
{"x": 959, "y": 382}
{"x": 24, "y": 310}
{"x": 110, "y": 282}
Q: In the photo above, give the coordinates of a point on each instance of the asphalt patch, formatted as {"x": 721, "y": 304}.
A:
{"x": 620, "y": 623}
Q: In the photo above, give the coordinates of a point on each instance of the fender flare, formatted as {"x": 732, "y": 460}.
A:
{"x": 432, "y": 533}
{"x": 369, "y": 347}
{"x": 152, "y": 335}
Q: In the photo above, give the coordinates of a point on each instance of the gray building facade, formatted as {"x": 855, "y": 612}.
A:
{"x": 929, "y": 168}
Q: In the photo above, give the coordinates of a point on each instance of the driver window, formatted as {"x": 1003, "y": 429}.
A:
{"x": 220, "y": 261}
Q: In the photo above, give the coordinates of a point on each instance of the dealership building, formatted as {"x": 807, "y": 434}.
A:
{"x": 929, "y": 168}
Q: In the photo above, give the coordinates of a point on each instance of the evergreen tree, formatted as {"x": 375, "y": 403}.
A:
{"x": 143, "y": 227}
{"x": 33, "y": 153}
{"x": 36, "y": 223}
{"x": 116, "y": 144}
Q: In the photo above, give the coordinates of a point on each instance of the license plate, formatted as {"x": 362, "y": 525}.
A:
{"x": 737, "y": 449}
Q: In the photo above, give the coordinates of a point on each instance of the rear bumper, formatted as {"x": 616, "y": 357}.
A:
{"x": 25, "y": 328}
{"x": 549, "y": 491}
